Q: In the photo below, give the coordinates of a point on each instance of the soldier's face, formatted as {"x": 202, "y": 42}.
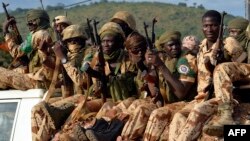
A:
{"x": 173, "y": 48}
{"x": 109, "y": 44}
{"x": 60, "y": 27}
{"x": 32, "y": 25}
{"x": 210, "y": 28}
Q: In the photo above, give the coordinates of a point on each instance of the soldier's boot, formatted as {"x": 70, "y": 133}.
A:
{"x": 216, "y": 128}
{"x": 57, "y": 115}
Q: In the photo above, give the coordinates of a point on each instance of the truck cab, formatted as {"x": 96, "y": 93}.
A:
{"x": 15, "y": 113}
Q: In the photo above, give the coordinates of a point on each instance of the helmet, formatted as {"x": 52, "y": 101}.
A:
{"x": 73, "y": 31}
{"x": 126, "y": 17}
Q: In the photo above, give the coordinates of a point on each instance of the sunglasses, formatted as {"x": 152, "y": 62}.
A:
{"x": 137, "y": 50}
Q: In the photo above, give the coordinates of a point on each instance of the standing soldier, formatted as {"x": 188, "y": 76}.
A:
{"x": 38, "y": 49}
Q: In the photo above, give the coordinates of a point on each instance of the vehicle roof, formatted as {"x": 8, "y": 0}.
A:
{"x": 13, "y": 94}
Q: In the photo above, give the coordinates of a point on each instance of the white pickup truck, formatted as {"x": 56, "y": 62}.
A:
{"x": 15, "y": 113}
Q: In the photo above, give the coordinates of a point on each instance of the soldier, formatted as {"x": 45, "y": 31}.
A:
{"x": 136, "y": 47}
{"x": 37, "y": 48}
{"x": 125, "y": 20}
{"x": 174, "y": 74}
{"x": 48, "y": 118}
{"x": 184, "y": 123}
{"x": 237, "y": 29}
{"x": 61, "y": 22}
{"x": 157, "y": 126}
{"x": 223, "y": 81}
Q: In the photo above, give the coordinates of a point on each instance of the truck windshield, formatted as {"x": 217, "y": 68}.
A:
{"x": 7, "y": 117}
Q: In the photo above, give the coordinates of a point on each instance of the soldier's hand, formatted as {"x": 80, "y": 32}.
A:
{"x": 57, "y": 48}
{"x": 7, "y": 24}
{"x": 152, "y": 58}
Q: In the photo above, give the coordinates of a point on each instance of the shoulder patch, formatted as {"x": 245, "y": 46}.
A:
{"x": 184, "y": 69}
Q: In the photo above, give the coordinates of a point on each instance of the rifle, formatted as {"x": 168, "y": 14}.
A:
{"x": 13, "y": 25}
{"x": 102, "y": 83}
{"x": 22, "y": 59}
{"x": 219, "y": 40}
{"x": 60, "y": 59}
{"x": 152, "y": 75}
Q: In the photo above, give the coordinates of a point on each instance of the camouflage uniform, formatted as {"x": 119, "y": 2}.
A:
{"x": 44, "y": 123}
{"x": 202, "y": 111}
{"x": 39, "y": 75}
{"x": 161, "y": 117}
{"x": 184, "y": 69}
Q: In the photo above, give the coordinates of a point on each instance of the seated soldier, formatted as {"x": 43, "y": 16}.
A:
{"x": 37, "y": 48}
{"x": 119, "y": 75}
{"x": 48, "y": 118}
{"x": 176, "y": 78}
{"x": 223, "y": 80}
{"x": 157, "y": 126}
{"x": 237, "y": 29}
{"x": 184, "y": 123}
{"x": 60, "y": 23}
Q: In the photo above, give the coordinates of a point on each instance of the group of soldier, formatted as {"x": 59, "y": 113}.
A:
{"x": 168, "y": 91}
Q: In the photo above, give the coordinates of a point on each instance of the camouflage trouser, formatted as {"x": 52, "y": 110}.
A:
{"x": 140, "y": 111}
{"x": 157, "y": 125}
{"x": 13, "y": 79}
{"x": 111, "y": 110}
{"x": 224, "y": 75}
{"x": 187, "y": 124}
{"x": 43, "y": 125}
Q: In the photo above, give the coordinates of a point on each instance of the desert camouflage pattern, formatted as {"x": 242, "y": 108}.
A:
{"x": 187, "y": 123}
{"x": 45, "y": 124}
{"x": 234, "y": 50}
{"x": 224, "y": 76}
{"x": 204, "y": 75}
{"x": 240, "y": 116}
{"x": 140, "y": 111}
{"x": 38, "y": 76}
{"x": 158, "y": 124}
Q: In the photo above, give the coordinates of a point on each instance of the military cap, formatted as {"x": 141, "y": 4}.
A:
{"x": 112, "y": 28}
{"x": 73, "y": 31}
{"x": 126, "y": 17}
{"x": 166, "y": 37}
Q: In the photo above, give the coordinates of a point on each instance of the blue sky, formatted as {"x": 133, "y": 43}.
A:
{"x": 234, "y": 7}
